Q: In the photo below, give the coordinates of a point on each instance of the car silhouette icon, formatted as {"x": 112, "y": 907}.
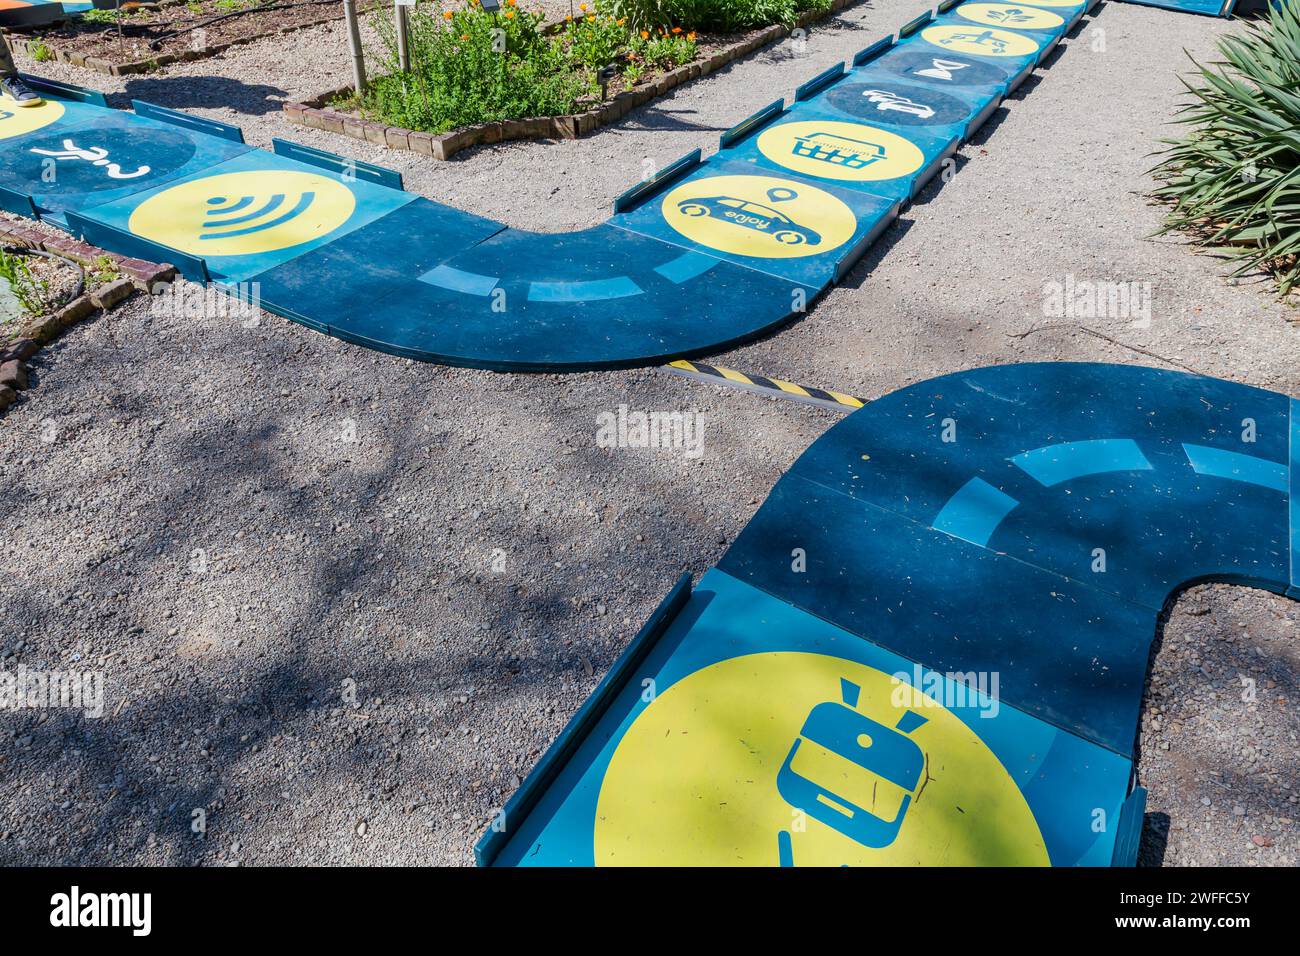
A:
{"x": 750, "y": 215}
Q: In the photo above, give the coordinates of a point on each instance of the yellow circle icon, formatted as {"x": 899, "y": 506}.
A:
{"x": 16, "y": 120}
{"x": 239, "y": 214}
{"x": 807, "y": 760}
{"x": 853, "y": 152}
{"x": 759, "y": 216}
{"x": 977, "y": 42}
{"x": 1009, "y": 15}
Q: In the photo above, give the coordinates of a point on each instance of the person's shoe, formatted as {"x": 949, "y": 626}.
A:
{"x": 19, "y": 92}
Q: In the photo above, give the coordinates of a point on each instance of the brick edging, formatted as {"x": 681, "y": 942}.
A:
{"x": 315, "y": 114}
{"x": 133, "y": 275}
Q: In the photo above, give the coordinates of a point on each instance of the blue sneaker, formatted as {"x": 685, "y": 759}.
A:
{"x": 19, "y": 92}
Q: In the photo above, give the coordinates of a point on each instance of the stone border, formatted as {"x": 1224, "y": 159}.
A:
{"x": 133, "y": 275}
{"x": 110, "y": 68}
{"x": 315, "y": 114}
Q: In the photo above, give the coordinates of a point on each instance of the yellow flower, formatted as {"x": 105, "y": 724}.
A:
{"x": 691, "y": 36}
{"x": 582, "y": 7}
{"x": 510, "y": 14}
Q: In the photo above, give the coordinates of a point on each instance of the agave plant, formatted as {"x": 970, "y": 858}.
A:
{"x": 1234, "y": 179}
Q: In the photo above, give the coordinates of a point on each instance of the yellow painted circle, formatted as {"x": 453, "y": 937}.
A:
{"x": 1010, "y": 15}
{"x": 980, "y": 42}
{"x": 16, "y": 120}
{"x": 698, "y": 778}
{"x": 762, "y": 216}
{"x": 853, "y": 152}
{"x": 237, "y": 214}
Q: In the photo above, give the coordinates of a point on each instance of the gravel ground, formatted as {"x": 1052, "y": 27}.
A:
{"x": 280, "y": 548}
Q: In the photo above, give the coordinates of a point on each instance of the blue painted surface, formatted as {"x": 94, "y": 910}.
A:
{"x": 657, "y": 282}
{"x": 95, "y": 156}
{"x": 880, "y": 97}
{"x": 621, "y": 295}
{"x": 1062, "y": 777}
{"x": 900, "y": 188}
{"x": 872, "y": 215}
{"x": 954, "y": 525}
{"x": 372, "y": 203}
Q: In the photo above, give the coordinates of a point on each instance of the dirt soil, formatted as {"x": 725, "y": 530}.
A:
{"x": 244, "y": 523}
{"x": 143, "y": 34}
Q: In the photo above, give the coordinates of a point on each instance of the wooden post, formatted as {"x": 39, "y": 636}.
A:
{"x": 354, "y": 46}
{"x": 403, "y": 37}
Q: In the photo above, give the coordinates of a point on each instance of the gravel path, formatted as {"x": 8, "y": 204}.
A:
{"x": 280, "y": 548}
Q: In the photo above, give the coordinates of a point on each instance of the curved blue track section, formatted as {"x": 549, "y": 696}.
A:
{"x": 1037, "y": 514}
{"x": 704, "y": 255}
{"x": 1024, "y": 522}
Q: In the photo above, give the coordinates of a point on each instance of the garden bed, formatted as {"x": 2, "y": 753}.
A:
{"x": 340, "y": 111}
{"x": 141, "y": 38}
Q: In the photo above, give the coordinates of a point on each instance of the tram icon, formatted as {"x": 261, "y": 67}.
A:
{"x": 861, "y": 754}
{"x": 839, "y": 150}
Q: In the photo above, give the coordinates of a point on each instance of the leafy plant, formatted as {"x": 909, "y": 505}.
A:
{"x": 718, "y": 16}
{"x": 469, "y": 66}
{"x": 594, "y": 40}
{"x": 39, "y": 52}
{"x": 665, "y": 48}
{"x": 30, "y": 291}
{"x": 1234, "y": 179}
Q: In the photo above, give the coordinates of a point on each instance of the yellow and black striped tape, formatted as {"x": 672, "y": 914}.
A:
{"x": 759, "y": 383}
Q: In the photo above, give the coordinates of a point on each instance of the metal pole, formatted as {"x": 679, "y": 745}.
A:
{"x": 403, "y": 39}
{"x": 354, "y": 46}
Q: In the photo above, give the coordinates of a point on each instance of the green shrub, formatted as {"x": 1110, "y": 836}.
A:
{"x": 717, "y": 16}
{"x": 39, "y": 52}
{"x": 1234, "y": 179}
{"x": 470, "y": 67}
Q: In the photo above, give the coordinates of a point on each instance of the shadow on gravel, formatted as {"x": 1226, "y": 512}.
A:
{"x": 203, "y": 92}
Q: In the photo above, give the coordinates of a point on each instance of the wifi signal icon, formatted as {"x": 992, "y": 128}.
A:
{"x": 228, "y": 218}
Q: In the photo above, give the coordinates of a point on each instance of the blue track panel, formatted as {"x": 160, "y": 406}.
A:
{"x": 614, "y": 299}
{"x": 581, "y": 819}
{"x": 1023, "y": 522}
{"x": 1208, "y": 8}
{"x": 876, "y": 95}
{"x": 1034, "y": 470}
{"x": 828, "y": 147}
{"x": 95, "y": 156}
{"x": 749, "y": 205}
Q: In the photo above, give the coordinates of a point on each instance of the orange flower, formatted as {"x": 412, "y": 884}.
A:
{"x": 677, "y": 29}
{"x": 622, "y": 22}
{"x": 510, "y": 14}
{"x": 691, "y": 36}
{"x": 645, "y": 34}
{"x": 464, "y": 37}
{"x": 447, "y": 14}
